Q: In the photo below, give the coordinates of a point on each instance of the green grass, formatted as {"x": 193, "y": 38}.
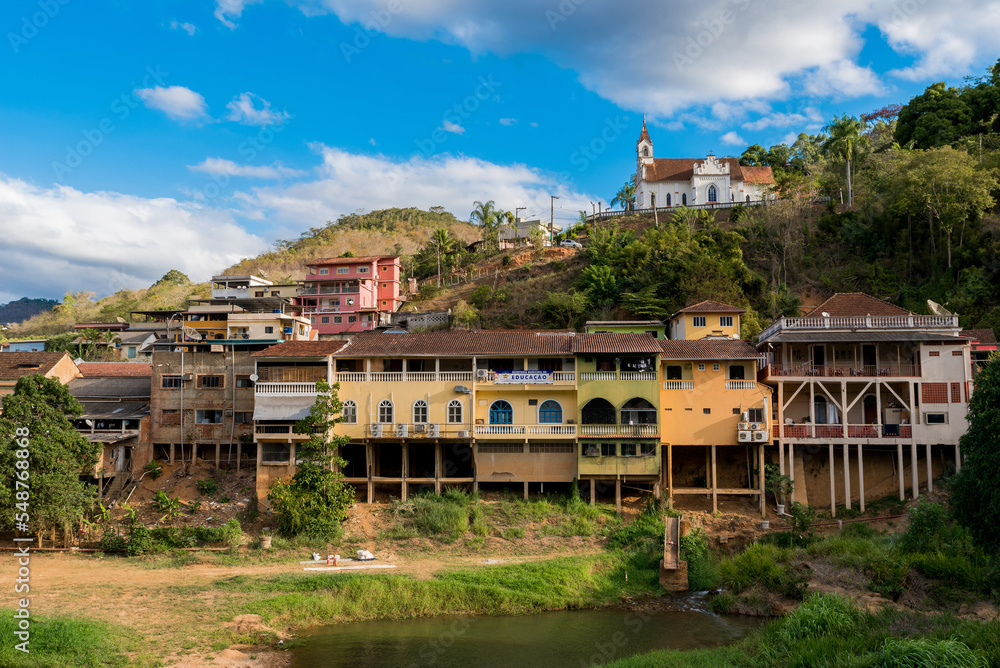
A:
{"x": 56, "y": 642}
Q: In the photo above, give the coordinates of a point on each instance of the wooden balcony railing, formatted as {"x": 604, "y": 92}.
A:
{"x": 853, "y": 431}
{"x": 836, "y": 371}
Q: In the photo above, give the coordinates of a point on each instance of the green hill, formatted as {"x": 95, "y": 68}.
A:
{"x": 24, "y": 308}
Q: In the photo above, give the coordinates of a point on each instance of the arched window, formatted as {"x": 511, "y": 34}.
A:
{"x": 638, "y": 411}
{"x": 684, "y": 199}
{"x": 713, "y": 193}
{"x": 501, "y": 412}
{"x": 454, "y": 412}
{"x": 385, "y": 412}
{"x": 645, "y": 151}
{"x": 350, "y": 412}
{"x": 419, "y": 411}
{"x": 819, "y": 407}
{"x": 550, "y": 412}
{"x": 668, "y": 199}
{"x": 748, "y": 198}
{"x": 598, "y": 411}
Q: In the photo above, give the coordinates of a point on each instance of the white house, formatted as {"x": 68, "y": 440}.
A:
{"x": 664, "y": 182}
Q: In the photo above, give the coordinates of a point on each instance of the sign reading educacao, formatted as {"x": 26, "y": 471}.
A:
{"x": 523, "y": 377}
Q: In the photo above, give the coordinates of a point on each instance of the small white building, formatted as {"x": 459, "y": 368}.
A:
{"x": 662, "y": 182}
{"x": 520, "y": 232}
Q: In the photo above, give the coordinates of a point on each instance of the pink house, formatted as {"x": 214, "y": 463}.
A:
{"x": 346, "y": 294}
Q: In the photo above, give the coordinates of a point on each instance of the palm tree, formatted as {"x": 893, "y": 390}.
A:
{"x": 845, "y": 134}
{"x": 625, "y": 197}
{"x": 487, "y": 216}
{"x": 505, "y": 221}
{"x": 443, "y": 242}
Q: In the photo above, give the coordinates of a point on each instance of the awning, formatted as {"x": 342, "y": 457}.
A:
{"x": 282, "y": 408}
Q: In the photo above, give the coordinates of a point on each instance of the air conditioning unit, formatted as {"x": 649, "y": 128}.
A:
{"x": 376, "y": 430}
{"x": 228, "y": 412}
{"x": 419, "y": 428}
{"x": 464, "y": 434}
{"x": 216, "y": 348}
{"x": 482, "y": 374}
{"x": 402, "y": 429}
{"x": 756, "y": 426}
{"x": 744, "y": 426}
{"x": 760, "y": 436}
{"x": 187, "y": 376}
{"x": 434, "y": 429}
{"x": 744, "y": 437}
{"x": 592, "y": 451}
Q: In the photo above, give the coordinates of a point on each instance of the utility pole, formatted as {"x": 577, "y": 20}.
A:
{"x": 518, "y": 208}
{"x": 552, "y": 213}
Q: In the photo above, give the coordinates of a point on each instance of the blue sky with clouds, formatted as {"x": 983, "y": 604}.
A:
{"x": 142, "y": 136}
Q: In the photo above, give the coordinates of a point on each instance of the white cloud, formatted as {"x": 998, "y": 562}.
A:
{"x": 733, "y": 138}
{"x": 189, "y": 28}
{"x": 790, "y": 138}
{"x": 349, "y": 181}
{"x": 453, "y": 128}
{"x": 533, "y": 124}
{"x": 60, "y": 238}
{"x": 177, "y": 102}
{"x": 508, "y": 121}
{"x": 372, "y": 141}
{"x": 810, "y": 116}
{"x": 243, "y": 110}
{"x": 227, "y": 10}
{"x": 223, "y": 166}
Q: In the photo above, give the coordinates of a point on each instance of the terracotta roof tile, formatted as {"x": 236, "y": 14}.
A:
{"x": 852, "y": 304}
{"x": 757, "y": 174}
{"x": 301, "y": 349}
{"x": 367, "y": 259}
{"x": 984, "y": 336}
{"x": 708, "y": 306}
{"x": 707, "y": 349}
{"x": 465, "y": 343}
{"x": 17, "y": 365}
{"x": 115, "y": 369}
{"x": 615, "y": 342}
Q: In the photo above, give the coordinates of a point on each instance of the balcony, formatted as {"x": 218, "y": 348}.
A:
{"x": 861, "y": 431}
{"x": 547, "y": 430}
{"x": 741, "y": 384}
{"x": 402, "y": 376}
{"x": 840, "y": 371}
{"x": 616, "y": 375}
{"x": 286, "y": 389}
{"x": 855, "y": 323}
{"x": 620, "y": 430}
{"x": 416, "y": 430}
{"x": 531, "y": 377}
{"x": 678, "y": 385}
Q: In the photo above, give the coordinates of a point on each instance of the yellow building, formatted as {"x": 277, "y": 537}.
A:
{"x": 716, "y": 417}
{"x": 706, "y": 320}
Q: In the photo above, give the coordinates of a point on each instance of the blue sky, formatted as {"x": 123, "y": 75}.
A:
{"x": 143, "y": 136}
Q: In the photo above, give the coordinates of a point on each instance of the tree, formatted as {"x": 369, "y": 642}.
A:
{"x": 755, "y": 155}
{"x": 173, "y": 277}
{"x": 443, "y": 242}
{"x": 845, "y": 135}
{"x": 35, "y": 428}
{"x": 975, "y": 498}
{"x": 488, "y": 217}
{"x": 316, "y": 499}
{"x": 625, "y": 197}
{"x": 465, "y": 315}
{"x": 937, "y": 117}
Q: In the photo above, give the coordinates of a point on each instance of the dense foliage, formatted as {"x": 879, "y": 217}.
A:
{"x": 24, "y": 308}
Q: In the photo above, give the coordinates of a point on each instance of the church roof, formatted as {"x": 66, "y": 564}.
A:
{"x": 644, "y": 134}
{"x": 682, "y": 169}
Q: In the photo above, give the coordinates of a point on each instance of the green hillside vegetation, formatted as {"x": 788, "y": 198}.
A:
{"x": 24, "y": 308}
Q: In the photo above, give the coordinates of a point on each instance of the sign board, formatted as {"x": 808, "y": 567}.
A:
{"x": 523, "y": 377}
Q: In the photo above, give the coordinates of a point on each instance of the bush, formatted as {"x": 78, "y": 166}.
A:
{"x": 931, "y": 530}
{"x": 207, "y": 487}
{"x": 155, "y": 470}
{"x": 481, "y": 296}
{"x": 722, "y": 604}
{"x": 140, "y": 541}
{"x": 764, "y": 565}
{"x": 819, "y": 616}
{"x": 232, "y": 533}
{"x": 919, "y": 652}
{"x": 112, "y": 542}
{"x": 702, "y": 571}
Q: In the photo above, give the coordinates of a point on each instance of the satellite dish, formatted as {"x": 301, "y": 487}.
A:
{"x": 937, "y": 309}
{"x": 254, "y": 377}
{"x": 192, "y": 333}
{"x": 90, "y": 423}
{"x": 121, "y": 320}
{"x": 78, "y": 360}
{"x": 825, "y": 314}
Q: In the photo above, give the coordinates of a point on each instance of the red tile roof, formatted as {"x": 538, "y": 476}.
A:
{"x": 682, "y": 169}
{"x": 301, "y": 349}
{"x": 983, "y": 336}
{"x": 708, "y": 306}
{"x": 458, "y": 342}
{"x": 115, "y": 370}
{"x": 757, "y": 174}
{"x": 14, "y": 366}
{"x": 852, "y": 304}
{"x": 367, "y": 259}
{"x": 707, "y": 349}
{"x": 615, "y": 342}
{"x": 645, "y": 133}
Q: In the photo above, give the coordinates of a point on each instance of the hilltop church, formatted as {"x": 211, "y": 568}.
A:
{"x": 664, "y": 182}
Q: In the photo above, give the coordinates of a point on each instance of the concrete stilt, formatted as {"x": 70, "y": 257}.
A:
{"x": 914, "y": 471}
{"x": 593, "y": 491}
{"x": 930, "y": 469}
{"x": 715, "y": 494}
{"x": 861, "y": 480}
{"x": 525, "y": 491}
{"x": 404, "y": 491}
{"x": 900, "y": 465}
{"x": 760, "y": 478}
{"x": 618, "y": 495}
{"x": 958, "y": 459}
{"x": 670, "y": 476}
{"x": 847, "y": 476}
{"x": 833, "y": 482}
{"x": 371, "y": 470}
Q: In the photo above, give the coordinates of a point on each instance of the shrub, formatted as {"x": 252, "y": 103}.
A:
{"x": 232, "y": 533}
{"x": 819, "y": 616}
{"x": 207, "y": 487}
{"x": 759, "y": 564}
{"x": 481, "y": 296}
{"x": 919, "y": 652}
{"x": 140, "y": 541}
{"x": 702, "y": 571}
{"x": 155, "y": 470}
{"x": 722, "y": 604}
{"x": 112, "y": 542}
{"x": 931, "y": 529}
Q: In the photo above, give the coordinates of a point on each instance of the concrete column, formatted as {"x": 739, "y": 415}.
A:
{"x": 618, "y": 495}
{"x": 900, "y": 464}
{"x": 239, "y": 454}
{"x": 370, "y": 469}
{"x": 760, "y": 477}
{"x": 958, "y": 459}
{"x": 847, "y": 476}
{"x": 172, "y": 452}
{"x": 930, "y": 469}
{"x": 791, "y": 470}
{"x": 914, "y": 471}
{"x": 525, "y": 491}
{"x": 404, "y": 492}
{"x": 715, "y": 494}
{"x": 593, "y": 492}
{"x": 437, "y": 468}
{"x": 218, "y": 448}
{"x": 843, "y": 409}
{"x": 861, "y": 479}
{"x": 833, "y": 491}
{"x": 670, "y": 475}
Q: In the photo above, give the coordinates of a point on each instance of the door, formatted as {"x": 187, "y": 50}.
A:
{"x": 819, "y": 358}
{"x": 869, "y": 358}
{"x": 871, "y": 410}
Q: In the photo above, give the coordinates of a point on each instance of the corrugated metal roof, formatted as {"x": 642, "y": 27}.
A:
{"x": 119, "y": 387}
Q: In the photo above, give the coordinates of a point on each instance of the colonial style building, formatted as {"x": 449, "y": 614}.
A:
{"x": 665, "y": 182}
{"x": 346, "y": 295}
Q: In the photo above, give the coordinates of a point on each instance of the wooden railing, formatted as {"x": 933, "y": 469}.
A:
{"x": 840, "y": 371}
{"x": 853, "y": 431}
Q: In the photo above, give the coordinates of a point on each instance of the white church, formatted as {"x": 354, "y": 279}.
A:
{"x": 661, "y": 182}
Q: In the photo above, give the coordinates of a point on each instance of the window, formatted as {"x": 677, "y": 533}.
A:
{"x": 598, "y": 411}
{"x": 243, "y": 381}
{"x": 713, "y": 194}
{"x": 706, "y": 411}
{"x": 170, "y": 382}
{"x": 647, "y": 449}
{"x": 715, "y": 367}
{"x": 936, "y": 418}
{"x": 821, "y": 410}
{"x": 276, "y": 453}
{"x": 338, "y": 319}
{"x": 170, "y": 417}
{"x": 550, "y": 412}
{"x": 419, "y": 412}
{"x": 324, "y": 320}
{"x": 269, "y": 330}
{"x": 352, "y": 318}
{"x": 208, "y": 417}
{"x": 934, "y": 353}
{"x": 243, "y": 417}
{"x": 385, "y": 411}
{"x": 737, "y": 372}
{"x": 630, "y": 450}
{"x": 756, "y": 414}
{"x": 699, "y": 321}
{"x": 350, "y": 412}
{"x": 638, "y": 411}
{"x": 454, "y": 412}
{"x": 343, "y": 270}
{"x": 956, "y": 353}
{"x": 701, "y": 367}
{"x": 131, "y": 352}
{"x": 550, "y": 448}
{"x": 684, "y": 199}
{"x": 324, "y": 271}
{"x": 674, "y": 372}
{"x": 725, "y": 321}
{"x": 501, "y": 412}
{"x": 609, "y": 449}
{"x": 362, "y": 270}
{"x": 210, "y": 382}
{"x": 934, "y": 393}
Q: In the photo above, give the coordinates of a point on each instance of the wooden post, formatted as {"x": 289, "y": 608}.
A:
{"x": 526, "y": 490}
{"x": 833, "y": 490}
{"x": 847, "y": 476}
{"x": 930, "y": 469}
{"x": 900, "y": 464}
{"x": 618, "y": 495}
{"x": 715, "y": 495}
{"x": 760, "y": 478}
{"x": 861, "y": 479}
{"x": 670, "y": 475}
{"x": 404, "y": 492}
{"x": 368, "y": 466}
{"x": 914, "y": 471}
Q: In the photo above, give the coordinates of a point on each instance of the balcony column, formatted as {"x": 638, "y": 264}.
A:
{"x": 930, "y": 469}
{"x": 861, "y": 479}
{"x": 914, "y": 470}
{"x": 847, "y": 476}
{"x": 900, "y": 464}
{"x": 843, "y": 411}
{"x": 437, "y": 368}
